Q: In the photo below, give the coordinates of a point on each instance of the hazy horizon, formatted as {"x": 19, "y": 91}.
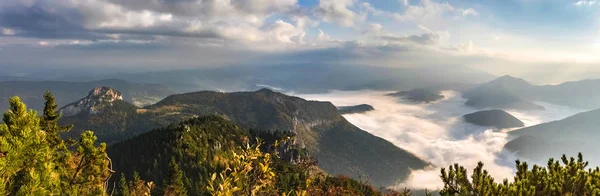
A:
{"x": 515, "y": 37}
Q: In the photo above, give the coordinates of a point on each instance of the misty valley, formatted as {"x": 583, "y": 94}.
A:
{"x": 299, "y": 97}
{"x": 386, "y": 142}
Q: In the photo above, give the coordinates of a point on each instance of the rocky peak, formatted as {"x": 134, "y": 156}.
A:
{"x": 105, "y": 94}
{"x": 93, "y": 102}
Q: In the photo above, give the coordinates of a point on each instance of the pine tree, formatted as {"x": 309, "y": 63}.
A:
{"x": 173, "y": 185}
{"x": 49, "y": 121}
{"x": 122, "y": 187}
{"x": 35, "y": 161}
{"x": 91, "y": 169}
{"x": 26, "y": 159}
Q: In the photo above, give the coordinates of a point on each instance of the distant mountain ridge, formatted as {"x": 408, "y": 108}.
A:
{"x": 574, "y": 134}
{"x": 340, "y": 147}
{"x": 67, "y": 92}
{"x": 508, "y": 92}
{"x": 419, "y": 95}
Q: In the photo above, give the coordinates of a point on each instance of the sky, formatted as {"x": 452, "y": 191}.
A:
{"x": 538, "y": 39}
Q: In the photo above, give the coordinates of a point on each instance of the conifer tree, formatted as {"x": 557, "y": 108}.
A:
{"x": 26, "y": 160}
{"x": 91, "y": 167}
{"x": 49, "y": 121}
{"x": 174, "y": 185}
{"x": 122, "y": 187}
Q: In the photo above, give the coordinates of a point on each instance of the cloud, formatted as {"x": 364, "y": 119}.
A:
{"x": 7, "y": 31}
{"x": 374, "y": 29}
{"x": 585, "y": 3}
{"x": 470, "y": 12}
{"x": 436, "y": 132}
{"x": 467, "y": 47}
{"x": 242, "y": 21}
{"x": 424, "y": 39}
{"x": 427, "y": 10}
{"x": 338, "y": 12}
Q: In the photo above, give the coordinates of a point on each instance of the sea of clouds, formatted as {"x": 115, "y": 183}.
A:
{"x": 436, "y": 132}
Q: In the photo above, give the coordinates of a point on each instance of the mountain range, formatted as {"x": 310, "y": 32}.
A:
{"x": 339, "y": 146}
{"x": 66, "y": 92}
{"x": 574, "y": 134}
{"x": 508, "y": 92}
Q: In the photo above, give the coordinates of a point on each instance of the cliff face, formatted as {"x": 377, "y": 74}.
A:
{"x": 96, "y": 99}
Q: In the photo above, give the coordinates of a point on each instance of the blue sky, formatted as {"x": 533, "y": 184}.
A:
{"x": 504, "y": 36}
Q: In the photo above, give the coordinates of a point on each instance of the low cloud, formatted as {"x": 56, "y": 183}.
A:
{"x": 436, "y": 132}
{"x": 424, "y": 39}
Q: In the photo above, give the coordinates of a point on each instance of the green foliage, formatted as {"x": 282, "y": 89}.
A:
{"x": 26, "y": 166}
{"x": 122, "y": 188}
{"x": 174, "y": 183}
{"x": 35, "y": 161}
{"x": 567, "y": 177}
{"x": 49, "y": 122}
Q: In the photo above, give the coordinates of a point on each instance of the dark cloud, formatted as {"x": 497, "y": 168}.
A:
{"x": 41, "y": 22}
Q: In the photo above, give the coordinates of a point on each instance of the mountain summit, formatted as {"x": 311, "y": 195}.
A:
{"x": 96, "y": 99}
{"x": 506, "y": 92}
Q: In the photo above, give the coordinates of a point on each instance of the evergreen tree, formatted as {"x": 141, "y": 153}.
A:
{"x": 122, "y": 187}
{"x": 569, "y": 178}
{"x": 49, "y": 121}
{"x": 91, "y": 169}
{"x": 139, "y": 186}
{"x": 26, "y": 162}
{"x": 35, "y": 161}
{"x": 174, "y": 185}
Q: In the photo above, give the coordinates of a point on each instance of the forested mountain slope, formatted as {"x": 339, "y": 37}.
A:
{"x": 340, "y": 147}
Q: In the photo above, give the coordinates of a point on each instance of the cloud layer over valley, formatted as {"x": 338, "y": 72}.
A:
{"x": 436, "y": 132}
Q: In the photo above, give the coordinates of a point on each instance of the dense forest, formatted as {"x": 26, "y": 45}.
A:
{"x": 210, "y": 155}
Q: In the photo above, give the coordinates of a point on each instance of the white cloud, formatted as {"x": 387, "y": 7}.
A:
{"x": 374, "y": 29}
{"x": 7, "y": 31}
{"x": 43, "y": 43}
{"x": 338, "y": 11}
{"x": 287, "y": 33}
{"x": 470, "y": 12}
{"x": 435, "y": 132}
{"x": 585, "y": 3}
{"x": 427, "y": 10}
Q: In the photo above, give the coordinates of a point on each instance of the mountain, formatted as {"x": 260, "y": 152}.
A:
{"x": 362, "y": 108}
{"x": 311, "y": 78}
{"x": 104, "y": 111}
{"x": 98, "y": 98}
{"x": 210, "y": 145}
{"x": 66, "y": 92}
{"x": 508, "y": 92}
{"x": 493, "y": 118}
{"x": 193, "y": 143}
{"x": 340, "y": 147}
{"x": 419, "y": 95}
{"x": 578, "y": 133}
